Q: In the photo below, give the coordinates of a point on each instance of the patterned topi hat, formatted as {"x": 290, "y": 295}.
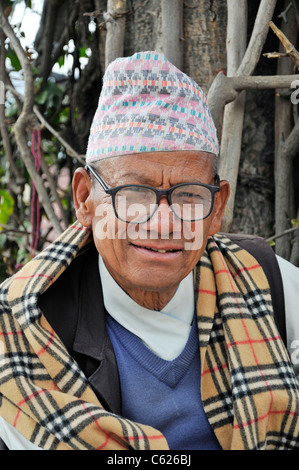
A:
{"x": 148, "y": 105}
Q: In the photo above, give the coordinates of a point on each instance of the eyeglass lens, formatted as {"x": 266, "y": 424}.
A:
{"x": 138, "y": 204}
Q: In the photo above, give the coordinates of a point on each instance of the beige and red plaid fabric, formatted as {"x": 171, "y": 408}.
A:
{"x": 249, "y": 390}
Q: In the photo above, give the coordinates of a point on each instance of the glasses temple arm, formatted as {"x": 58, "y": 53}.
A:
{"x": 97, "y": 177}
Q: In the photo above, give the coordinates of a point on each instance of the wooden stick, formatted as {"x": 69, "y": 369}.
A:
{"x": 289, "y": 47}
{"x": 286, "y": 232}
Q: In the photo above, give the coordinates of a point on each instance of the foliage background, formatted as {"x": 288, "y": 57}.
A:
{"x": 67, "y": 59}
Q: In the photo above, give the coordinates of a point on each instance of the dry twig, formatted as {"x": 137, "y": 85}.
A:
{"x": 279, "y": 235}
{"x": 275, "y": 55}
{"x": 289, "y": 47}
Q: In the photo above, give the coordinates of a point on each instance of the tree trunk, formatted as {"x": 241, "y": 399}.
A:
{"x": 234, "y": 112}
{"x": 205, "y": 25}
{"x": 116, "y": 25}
{"x": 283, "y": 127}
{"x": 172, "y": 31}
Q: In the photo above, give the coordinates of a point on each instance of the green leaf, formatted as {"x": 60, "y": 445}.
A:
{"x": 82, "y": 52}
{"x": 63, "y": 116}
{"x": 11, "y": 110}
{"x": 41, "y": 98}
{"x": 15, "y": 63}
{"x": 6, "y": 206}
{"x": 23, "y": 256}
{"x": 295, "y": 222}
{"x": 61, "y": 61}
{"x": 51, "y": 95}
{"x": 271, "y": 242}
{"x": 65, "y": 203}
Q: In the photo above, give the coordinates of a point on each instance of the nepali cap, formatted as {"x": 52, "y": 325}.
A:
{"x": 148, "y": 105}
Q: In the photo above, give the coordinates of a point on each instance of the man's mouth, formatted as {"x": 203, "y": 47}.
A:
{"x": 155, "y": 249}
{"x": 160, "y": 251}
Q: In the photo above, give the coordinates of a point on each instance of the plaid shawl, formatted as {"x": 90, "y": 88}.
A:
{"x": 249, "y": 390}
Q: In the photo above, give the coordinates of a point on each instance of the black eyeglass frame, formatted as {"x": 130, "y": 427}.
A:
{"x": 159, "y": 193}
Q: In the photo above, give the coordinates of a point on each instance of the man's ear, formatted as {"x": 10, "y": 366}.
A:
{"x": 82, "y": 186}
{"x": 219, "y": 207}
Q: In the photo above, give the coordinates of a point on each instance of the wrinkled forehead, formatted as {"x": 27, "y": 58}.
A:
{"x": 179, "y": 165}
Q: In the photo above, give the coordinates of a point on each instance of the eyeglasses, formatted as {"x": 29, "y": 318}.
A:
{"x": 135, "y": 203}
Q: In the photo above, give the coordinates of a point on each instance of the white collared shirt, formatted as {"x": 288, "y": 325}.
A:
{"x": 165, "y": 332}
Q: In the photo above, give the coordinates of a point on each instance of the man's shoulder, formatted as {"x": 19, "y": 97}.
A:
{"x": 264, "y": 254}
{"x": 257, "y": 246}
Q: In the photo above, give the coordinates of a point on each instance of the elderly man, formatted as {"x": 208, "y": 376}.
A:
{"x": 140, "y": 328}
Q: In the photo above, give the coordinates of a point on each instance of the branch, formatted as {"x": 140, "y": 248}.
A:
{"x": 236, "y": 38}
{"x": 54, "y": 56}
{"x": 275, "y": 55}
{"x": 114, "y": 47}
{"x": 69, "y": 149}
{"x": 52, "y": 186}
{"x": 283, "y": 125}
{"x": 289, "y": 148}
{"x": 71, "y": 152}
{"x": 219, "y": 97}
{"x": 172, "y": 31}
{"x": 232, "y": 129}
{"x": 226, "y": 89}
{"x": 258, "y": 37}
{"x": 26, "y": 118}
{"x": 286, "y": 232}
{"x": 3, "y": 128}
{"x": 296, "y": 9}
{"x": 248, "y": 64}
{"x": 8, "y": 229}
{"x": 262, "y": 82}
{"x": 294, "y": 259}
{"x": 25, "y": 64}
{"x": 288, "y": 46}
{"x": 110, "y": 17}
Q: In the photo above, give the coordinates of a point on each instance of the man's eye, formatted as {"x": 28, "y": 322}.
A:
{"x": 189, "y": 196}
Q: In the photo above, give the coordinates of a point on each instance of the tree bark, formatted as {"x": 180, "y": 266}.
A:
{"x": 116, "y": 26}
{"x": 283, "y": 126}
{"x": 231, "y": 138}
{"x": 204, "y": 51}
{"x": 294, "y": 259}
{"x": 18, "y": 179}
{"x": 172, "y": 31}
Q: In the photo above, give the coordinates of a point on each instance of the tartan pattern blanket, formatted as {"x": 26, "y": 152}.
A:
{"x": 249, "y": 390}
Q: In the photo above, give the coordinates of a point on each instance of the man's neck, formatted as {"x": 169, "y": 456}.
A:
{"x": 150, "y": 299}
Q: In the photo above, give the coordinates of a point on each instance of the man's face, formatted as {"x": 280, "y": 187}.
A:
{"x": 130, "y": 251}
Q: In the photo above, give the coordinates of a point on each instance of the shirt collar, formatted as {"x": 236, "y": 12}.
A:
{"x": 165, "y": 332}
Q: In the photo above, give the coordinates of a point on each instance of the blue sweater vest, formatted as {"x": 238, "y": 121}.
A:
{"x": 163, "y": 394}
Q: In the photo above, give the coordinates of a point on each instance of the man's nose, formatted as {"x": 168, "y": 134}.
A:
{"x": 163, "y": 222}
